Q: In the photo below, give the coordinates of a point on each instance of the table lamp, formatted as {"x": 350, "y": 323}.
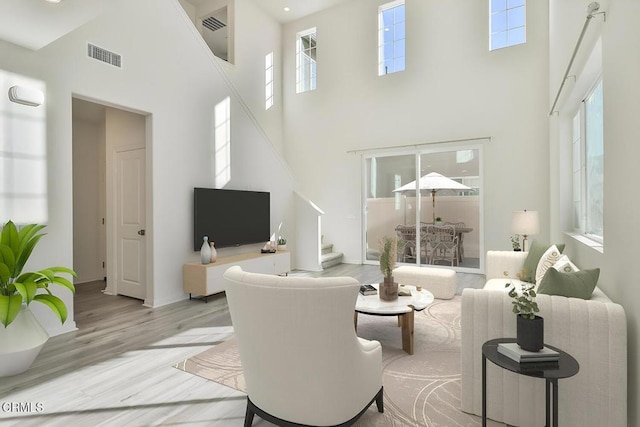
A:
{"x": 525, "y": 223}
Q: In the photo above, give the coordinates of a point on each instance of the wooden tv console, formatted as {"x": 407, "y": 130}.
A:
{"x": 206, "y": 279}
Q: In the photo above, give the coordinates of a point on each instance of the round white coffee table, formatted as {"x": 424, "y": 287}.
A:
{"x": 403, "y": 307}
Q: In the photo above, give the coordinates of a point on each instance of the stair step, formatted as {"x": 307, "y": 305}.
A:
{"x": 331, "y": 259}
{"x": 327, "y": 248}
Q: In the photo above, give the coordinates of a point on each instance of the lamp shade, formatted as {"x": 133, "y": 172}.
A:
{"x": 525, "y": 223}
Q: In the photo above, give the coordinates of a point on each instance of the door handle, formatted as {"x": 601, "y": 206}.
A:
{"x": 141, "y": 232}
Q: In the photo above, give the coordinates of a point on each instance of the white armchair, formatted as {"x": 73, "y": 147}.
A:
{"x": 302, "y": 361}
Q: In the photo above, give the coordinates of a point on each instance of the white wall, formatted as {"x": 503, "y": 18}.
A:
{"x": 620, "y": 36}
{"x": 453, "y": 88}
{"x": 167, "y": 72}
{"x": 87, "y": 213}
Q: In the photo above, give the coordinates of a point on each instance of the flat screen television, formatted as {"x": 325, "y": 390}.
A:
{"x": 230, "y": 217}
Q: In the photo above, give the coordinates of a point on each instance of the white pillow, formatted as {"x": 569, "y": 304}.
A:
{"x": 547, "y": 260}
{"x": 565, "y": 265}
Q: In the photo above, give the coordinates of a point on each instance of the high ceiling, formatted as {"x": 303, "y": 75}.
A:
{"x": 35, "y": 23}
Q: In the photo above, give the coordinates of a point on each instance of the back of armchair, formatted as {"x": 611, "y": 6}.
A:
{"x": 301, "y": 358}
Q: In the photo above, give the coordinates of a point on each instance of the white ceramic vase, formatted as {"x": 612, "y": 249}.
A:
{"x": 214, "y": 253}
{"x": 205, "y": 251}
{"x": 21, "y": 342}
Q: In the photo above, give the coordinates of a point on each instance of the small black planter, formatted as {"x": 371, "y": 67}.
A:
{"x": 530, "y": 333}
{"x": 517, "y": 250}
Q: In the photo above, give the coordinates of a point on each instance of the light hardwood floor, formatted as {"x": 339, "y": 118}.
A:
{"x": 116, "y": 369}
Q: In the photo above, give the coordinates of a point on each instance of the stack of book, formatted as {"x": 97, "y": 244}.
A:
{"x": 368, "y": 290}
{"x": 513, "y": 351}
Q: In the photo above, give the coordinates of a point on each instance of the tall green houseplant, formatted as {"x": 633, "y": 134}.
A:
{"x": 17, "y": 287}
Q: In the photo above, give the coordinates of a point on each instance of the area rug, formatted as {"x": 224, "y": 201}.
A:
{"x": 419, "y": 390}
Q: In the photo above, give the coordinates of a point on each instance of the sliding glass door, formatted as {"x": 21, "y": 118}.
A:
{"x": 405, "y": 193}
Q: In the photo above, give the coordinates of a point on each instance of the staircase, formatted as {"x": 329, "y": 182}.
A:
{"x": 328, "y": 257}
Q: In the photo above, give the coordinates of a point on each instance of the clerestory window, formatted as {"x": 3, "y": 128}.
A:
{"x": 507, "y": 23}
{"x": 391, "y": 38}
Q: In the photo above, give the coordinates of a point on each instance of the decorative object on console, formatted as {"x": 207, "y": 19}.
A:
{"x": 214, "y": 252}
{"x": 388, "y": 256}
{"x": 515, "y": 242}
{"x": 529, "y": 327}
{"x": 205, "y": 251}
{"x": 525, "y": 223}
{"x": 282, "y": 244}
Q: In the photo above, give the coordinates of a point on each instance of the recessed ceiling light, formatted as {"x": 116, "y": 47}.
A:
{"x": 286, "y": 9}
{"x": 53, "y": 1}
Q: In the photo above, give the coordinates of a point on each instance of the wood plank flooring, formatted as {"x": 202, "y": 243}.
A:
{"x": 116, "y": 369}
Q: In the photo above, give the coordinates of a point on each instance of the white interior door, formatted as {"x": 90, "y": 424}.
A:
{"x": 130, "y": 223}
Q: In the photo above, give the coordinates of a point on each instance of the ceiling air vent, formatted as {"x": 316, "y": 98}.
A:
{"x": 104, "y": 55}
{"x": 213, "y": 23}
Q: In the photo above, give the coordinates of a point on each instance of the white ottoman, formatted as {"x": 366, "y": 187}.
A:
{"x": 441, "y": 282}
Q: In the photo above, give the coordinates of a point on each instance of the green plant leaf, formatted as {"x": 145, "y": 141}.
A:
{"x": 10, "y": 237}
{"x": 28, "y": 290}
{"x": 26, "y": 233}
{"x": 54, "y": 303}
{"x": 64, "y": 282}
{"x": 9, "y": 308}
{"x": 5, "y": 274}
{"x": 63, "y": 270}
{"x": 33, "y": 276}
{"x": 24, "y": 255}
{"x": 7, "y": 256}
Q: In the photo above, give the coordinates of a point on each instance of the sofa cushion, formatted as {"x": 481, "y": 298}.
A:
{"x": 577, "y": 284}
{"x": 547, "y": 260}
{"x": 565, "y": 265}
{"x": 536, "y": 251}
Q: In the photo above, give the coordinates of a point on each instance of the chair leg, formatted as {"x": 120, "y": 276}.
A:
{"x": 379, "y": 402}
{"x": 248, "y": 416}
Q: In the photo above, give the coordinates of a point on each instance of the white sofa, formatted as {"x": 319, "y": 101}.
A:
{"x": 593, "y": 331}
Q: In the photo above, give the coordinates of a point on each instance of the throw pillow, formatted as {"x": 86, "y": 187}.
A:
{"x": 565, "y": 265}
{"x": 578, "y": 284}
{"x": 547, "y": 260}
{"x": 530, "y": 266}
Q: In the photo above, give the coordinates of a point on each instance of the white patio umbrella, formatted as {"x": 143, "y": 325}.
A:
{"x": 433, "y": 182}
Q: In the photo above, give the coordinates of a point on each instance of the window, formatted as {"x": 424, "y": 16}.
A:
{"x": 306, "y": 61}
{"x": 23, "y": 156}
{"x": 588, "y": 165}
{"x": 222, "y": 143}
{"x": 507, "y": 23}
{"x": 391, "y": 38}
{"x": 268, "y": 80}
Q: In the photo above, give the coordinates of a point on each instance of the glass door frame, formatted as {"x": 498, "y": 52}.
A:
{"x": 418, "y": 151}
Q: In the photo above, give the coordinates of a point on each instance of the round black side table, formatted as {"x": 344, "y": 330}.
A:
{"x": 566, "y": 367}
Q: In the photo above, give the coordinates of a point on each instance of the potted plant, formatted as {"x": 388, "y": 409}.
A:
{"x": 388, "y": 247}
{"x": 515, "y": 242}
{"x": 21, "y": 335}
{"x": 438, "y": 221}
{"x": 282, "y": 244}
{"x": 529, "y": 327}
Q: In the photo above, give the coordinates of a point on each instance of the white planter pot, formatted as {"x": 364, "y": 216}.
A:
{"x": 21, "y": 342}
